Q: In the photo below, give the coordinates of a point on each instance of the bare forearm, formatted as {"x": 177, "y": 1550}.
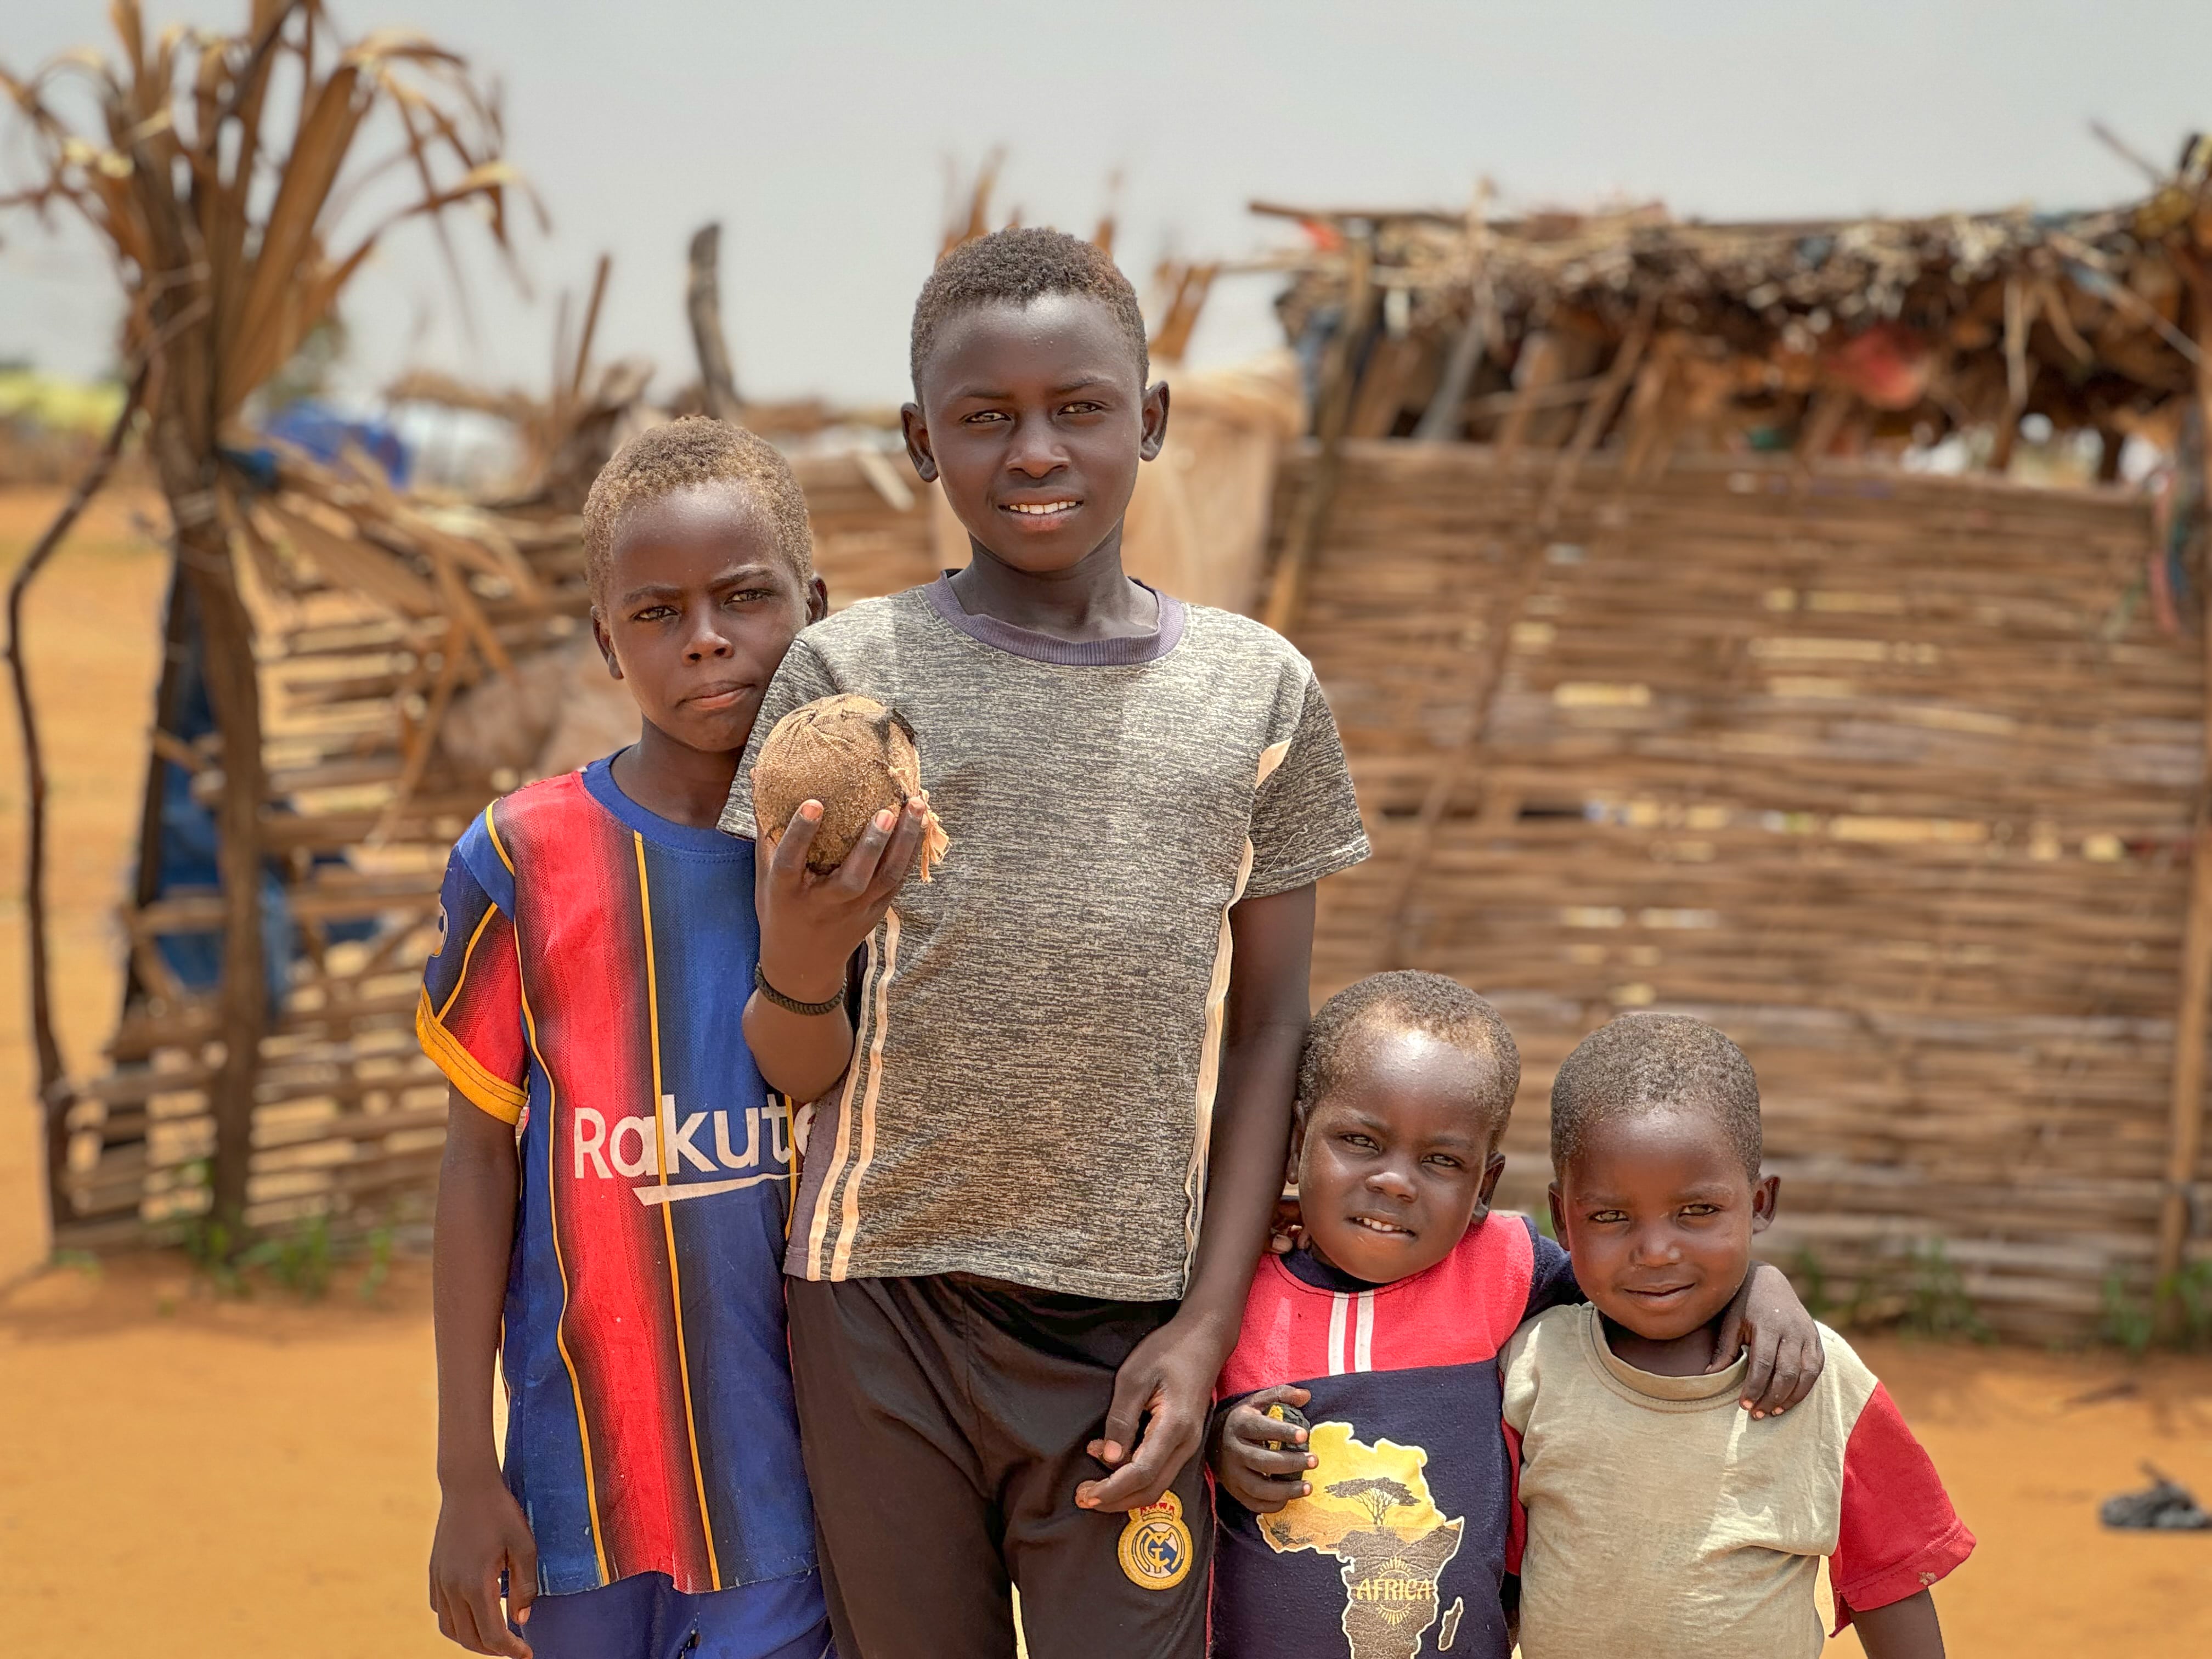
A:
{"x": 1245, "y": 1171}
{"x": 469, "y": 1267}
{"x": 1264, "y": 1031}
{"x": 801, "y": 1055}
{"x": 1903, "y": 1630}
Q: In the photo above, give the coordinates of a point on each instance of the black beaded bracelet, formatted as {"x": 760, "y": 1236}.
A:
{"x": 761, "y": 984}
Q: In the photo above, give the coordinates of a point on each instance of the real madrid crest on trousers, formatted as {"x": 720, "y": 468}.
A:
{"x": 1155, "y": 1544}
{"x": 944, "y": 1420}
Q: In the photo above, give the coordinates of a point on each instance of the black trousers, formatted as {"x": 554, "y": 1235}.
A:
{"x": 943, "y": 1421}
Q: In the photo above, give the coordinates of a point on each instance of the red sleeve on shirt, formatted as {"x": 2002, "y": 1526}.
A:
{"x": 1899, "y": 1533}
{"x": 468, "y": 1018}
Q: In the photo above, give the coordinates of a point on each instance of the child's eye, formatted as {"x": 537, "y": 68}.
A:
{"x": 1701, "y": 1210}
{"x": 653, "y": 613}
{"x": 1081, "y": 408}
{"x": 746, "y": 595}
{"x": 1443, "y": 1160}
{"x": 1358, "y": 1140}
{"x": 983, "y": 414}
{"x": 1606, "y": 1217}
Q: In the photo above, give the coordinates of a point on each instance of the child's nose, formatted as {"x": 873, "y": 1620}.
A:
{"x": 1035, "y": 454}
{"x": 1391, "y": 1183}
{"x": 706, "y": 642}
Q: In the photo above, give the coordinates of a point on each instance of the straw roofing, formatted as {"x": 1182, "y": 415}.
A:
{"x": 1926, "y": 326}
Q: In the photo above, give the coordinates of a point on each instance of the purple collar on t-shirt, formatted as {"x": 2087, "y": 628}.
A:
{"x": 1068, "y": 653}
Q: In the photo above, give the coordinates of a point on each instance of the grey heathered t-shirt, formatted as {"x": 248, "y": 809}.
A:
{"x": 1039, "y": 1031}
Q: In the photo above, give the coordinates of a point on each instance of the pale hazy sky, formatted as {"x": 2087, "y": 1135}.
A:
{"x": 819, "y": 134}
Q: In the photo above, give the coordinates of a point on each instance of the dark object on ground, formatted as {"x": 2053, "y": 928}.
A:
{"x": 2166, "y": 1506}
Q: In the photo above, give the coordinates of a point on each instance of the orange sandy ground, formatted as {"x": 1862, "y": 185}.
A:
{"x": 204, "y": 1478}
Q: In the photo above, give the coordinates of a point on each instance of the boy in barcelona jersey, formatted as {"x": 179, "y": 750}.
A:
{"x": 617, "y": 1177}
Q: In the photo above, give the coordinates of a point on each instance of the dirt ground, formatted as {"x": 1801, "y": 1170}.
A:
{"x": 200, "y": 1477}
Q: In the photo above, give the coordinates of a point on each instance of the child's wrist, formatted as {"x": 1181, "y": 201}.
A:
{"x": 799, "y": 978}
{"x": 458, "y": 1473}
{"x": 1203, "y": 1324}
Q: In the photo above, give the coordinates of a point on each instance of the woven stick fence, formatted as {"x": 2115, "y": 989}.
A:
{"x": 1889, "y": 776}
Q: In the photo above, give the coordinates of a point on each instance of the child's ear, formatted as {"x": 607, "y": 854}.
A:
{"x": 1297, "y": 1149}
{"x": 916, "y": 434}
{"x": 817, "y": 599}
{"x": 599, "y": 637}
{"x": 1763, "y": 1198}
{"x": 1558, "y": 1217}
{"x": 1152, "y": 431}
{"x": 1490, "y": 1170}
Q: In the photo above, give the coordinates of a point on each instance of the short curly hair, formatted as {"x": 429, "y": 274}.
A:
{"x": 682, "y": 454}
{"x": 1408, "y": 1000}
{"x": 1647, "y": 1063}
{"x": 1018, "y": 266}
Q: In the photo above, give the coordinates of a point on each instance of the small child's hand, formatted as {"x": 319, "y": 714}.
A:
{"x": 481, "y": 1533}
{"x": 1786, "y": 1356}
{"x": 1262, "y": 1461}
{"x": 1288, "y": 1230}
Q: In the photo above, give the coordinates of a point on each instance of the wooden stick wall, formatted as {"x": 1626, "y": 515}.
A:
{"x": 1891, "y": 777}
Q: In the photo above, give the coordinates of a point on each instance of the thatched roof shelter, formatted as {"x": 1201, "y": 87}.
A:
{"x": 1819, "y": 336}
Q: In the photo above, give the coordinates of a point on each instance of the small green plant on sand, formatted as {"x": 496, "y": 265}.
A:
{"x": 299, "y": 1259}
{"x": 209, "y": 1241}
{"x": 2191, "y": 1290}
{"x": 2127, "y": 1324}
{"x": 2132, "y": 1325}
{"x": 1871, "y": 1301}
{"x": 380, "y": 1240}
{"x": 1935, "y": 1299}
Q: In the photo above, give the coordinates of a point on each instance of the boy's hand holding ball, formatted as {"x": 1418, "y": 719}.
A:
{"x": 842, "y": 815}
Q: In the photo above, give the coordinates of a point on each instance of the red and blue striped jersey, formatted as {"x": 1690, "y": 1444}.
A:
{"x": 588, "y": 986}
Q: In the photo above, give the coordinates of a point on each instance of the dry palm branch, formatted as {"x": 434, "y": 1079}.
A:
{"x": 231, "y": 177}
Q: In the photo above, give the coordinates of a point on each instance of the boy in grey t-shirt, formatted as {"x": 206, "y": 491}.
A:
{"x": 1045, "y": 1149}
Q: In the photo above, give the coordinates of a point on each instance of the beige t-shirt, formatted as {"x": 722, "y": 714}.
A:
{"x": 1663, "y": 1519}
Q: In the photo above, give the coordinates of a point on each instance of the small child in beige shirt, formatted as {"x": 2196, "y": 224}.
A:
{"x": 1661, "y": 1521}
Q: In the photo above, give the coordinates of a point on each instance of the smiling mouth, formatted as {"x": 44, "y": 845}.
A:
{"x": 1041, "y": 510}
{"x": 1375, "y": 1225}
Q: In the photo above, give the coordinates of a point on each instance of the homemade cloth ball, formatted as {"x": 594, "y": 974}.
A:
{"x": 853, "y": 756}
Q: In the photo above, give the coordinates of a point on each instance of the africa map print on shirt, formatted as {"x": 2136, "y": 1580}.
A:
{"x": 1371, "y": 1510}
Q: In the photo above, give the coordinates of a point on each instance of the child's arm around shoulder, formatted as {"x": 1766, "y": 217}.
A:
{"x": 1767, "y": 1320}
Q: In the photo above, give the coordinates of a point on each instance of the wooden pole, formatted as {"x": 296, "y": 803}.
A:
{"x": 703, "y": 300}
{"x": 234, "y": 687}
{"x": 1340, "y": 379}
{"x": 54, "y": 1096}
{"x": 1442, "y": 419}
{"x": 583, "y": 364}
{"x": 2185, "y": 1128}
